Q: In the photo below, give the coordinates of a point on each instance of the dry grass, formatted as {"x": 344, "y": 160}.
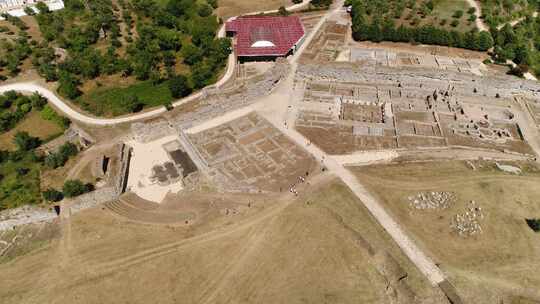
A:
{"x": 500, "y": 263}
{"x": 34, "y": 125}
{"x": 287, "y": 252}
{"x": 229, "y": 8}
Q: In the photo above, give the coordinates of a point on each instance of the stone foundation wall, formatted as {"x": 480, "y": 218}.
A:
{"x": 24, "y": 215}
{"x": 93, "y": 199}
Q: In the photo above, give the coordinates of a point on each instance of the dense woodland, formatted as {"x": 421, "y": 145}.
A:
{"x": 151, "y": 42}
{"x": 377, "y": 20}
{"x": 520, "y": 44}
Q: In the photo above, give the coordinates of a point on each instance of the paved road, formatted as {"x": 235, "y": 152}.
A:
{"x": 74, "y": 114}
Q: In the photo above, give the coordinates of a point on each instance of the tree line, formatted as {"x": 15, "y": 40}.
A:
{"x": 14, "y": 107}
{"x": 372, "y": 25}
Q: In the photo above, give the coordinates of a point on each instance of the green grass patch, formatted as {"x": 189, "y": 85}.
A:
{"x": 18, "y": 189}
{"x": 109, "y": 101}
{"x": 445, "y": 9}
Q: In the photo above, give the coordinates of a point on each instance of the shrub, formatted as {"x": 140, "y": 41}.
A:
{"x": 214, "y": 3}
{"x": 179, "y": 86}
{"x": 73, "y": 188}
{"x": 282, "y": 11}
{"x": 534, "y": 224}
{"x": 48, "y": 113}
{"x": 29, "y": 11}
{"x": 458, "y": 14}
{"x": 60, "y": 158}
{"x": 454, "y": 23}
{"x": 52, "y": 195}
{"x": 25, "y": 142}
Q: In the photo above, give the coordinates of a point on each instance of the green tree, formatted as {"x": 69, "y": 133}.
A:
{"x": 25, "y": 142}
{"x": 205, "y": 10}
{"x": 131, "y": 103}
{"x": 73, "y": 188}
{"x": 37, "y": 101}
{"x": 485, "y": 41}
{"x": 214, "y": 3}
{"x": 48, "y": 71}
{"x": 458, "y": 14}
{"x": 191, "y": 54}
{"x": 29, "y": 11}
{"x": 68, "y": 85}
{"x": 52, "y": 195}
{"x": 179, "y": 86}
{"x": 282, "y": 11}
{"x": 179, "y": 7}
{"x": 201, "y": 74}
{"x": 42, "y": 8}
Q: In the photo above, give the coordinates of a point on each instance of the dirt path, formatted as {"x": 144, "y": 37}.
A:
{"x": 277, "y": 111}
{"x": 245, "y": 252}
{"x": 531, "y": 133}
{"x": 479, "y": 22}
{"x": 513, "y": 23}
{"x": 422, "y": 261}
{"x": 74, "y": 114}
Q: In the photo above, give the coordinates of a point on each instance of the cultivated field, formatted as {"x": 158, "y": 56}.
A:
{"x": 499, "y": 264}
{"x": 322, "y": 247}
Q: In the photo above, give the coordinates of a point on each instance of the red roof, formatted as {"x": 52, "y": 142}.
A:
{"x": 274, "y": 36}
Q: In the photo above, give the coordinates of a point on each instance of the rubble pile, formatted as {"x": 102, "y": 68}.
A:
{"x": 432, "y": 200}
{"x": 468, "y": 223}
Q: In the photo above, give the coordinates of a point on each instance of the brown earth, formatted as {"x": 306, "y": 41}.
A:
{"x": 34, "y": 125}
{"x": 322, "y": 247}
{"x": 496, "y": 266}
{"x": 229, "y": 8}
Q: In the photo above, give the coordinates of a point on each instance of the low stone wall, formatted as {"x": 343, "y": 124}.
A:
{"x": 144, "y": 132}
{"x": 463, "y": 83}
{"x": 93, "y": 199}
{"x": 24, "y": 215}
{"x": 123, "y": 170}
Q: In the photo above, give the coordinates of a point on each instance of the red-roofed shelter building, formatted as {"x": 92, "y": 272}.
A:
{"x": 265, "y": 37}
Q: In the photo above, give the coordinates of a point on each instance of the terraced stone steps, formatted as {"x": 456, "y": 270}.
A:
{"x": 145, "y": 215}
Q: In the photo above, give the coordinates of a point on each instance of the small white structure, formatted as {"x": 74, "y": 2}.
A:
{"x": 16, "y": 7}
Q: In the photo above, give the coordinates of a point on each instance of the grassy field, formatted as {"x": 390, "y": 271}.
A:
{"x": 35, "y": 126}
{"x": 107, "y": 101}
{"x": 322, "y": 247}
{"x": 499, "y": 264}
{"x": 18, "y": 189}
{"x": 442, "y": 10}
{"x": 229, "y": 8}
